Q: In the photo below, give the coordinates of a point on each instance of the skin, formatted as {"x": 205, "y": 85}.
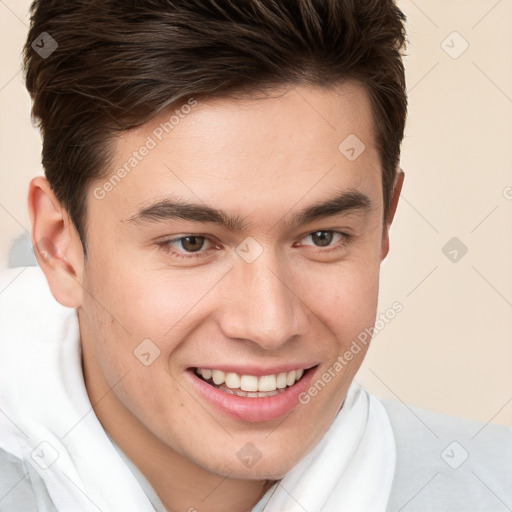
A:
{"x": 261, "y": 159}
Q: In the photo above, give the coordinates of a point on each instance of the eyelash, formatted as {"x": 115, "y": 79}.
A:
{"x": 165, "y": 245}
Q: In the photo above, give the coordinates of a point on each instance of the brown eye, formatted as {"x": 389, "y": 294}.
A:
{"x": 322, "y": 238}
{"x": 188, "y": 246}
{"x": 192, "y": 243}
{"x": 326, "y": 241}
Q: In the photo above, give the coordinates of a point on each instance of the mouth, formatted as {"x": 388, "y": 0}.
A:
{"x": 255, "y": 396}
{"x": 250, "y": 386}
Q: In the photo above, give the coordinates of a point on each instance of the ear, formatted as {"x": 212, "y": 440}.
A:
{"x": 397, "y": 189}
{"x": 56, "y": 244}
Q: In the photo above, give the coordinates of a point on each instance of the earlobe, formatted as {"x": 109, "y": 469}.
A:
{"x": 56, "y": 244}
{"x": 395, "y": 196}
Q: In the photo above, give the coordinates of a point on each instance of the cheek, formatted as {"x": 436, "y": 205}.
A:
{"x": 123, "y": 349}
{"x": 149, "y": 298}
{"x": 166, "y": 303}
{"x": 344, "y": 296}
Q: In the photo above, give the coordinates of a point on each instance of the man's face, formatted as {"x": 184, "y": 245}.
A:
{"x": 273, "y": 293}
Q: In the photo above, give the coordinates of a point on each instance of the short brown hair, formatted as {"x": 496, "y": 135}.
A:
{"x": 119, "y": 63}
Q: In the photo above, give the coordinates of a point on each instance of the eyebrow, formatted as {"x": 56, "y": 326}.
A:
{"x": 176, "y": 208}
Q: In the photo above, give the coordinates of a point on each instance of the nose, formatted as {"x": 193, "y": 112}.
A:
{"x": 262, "y": 304}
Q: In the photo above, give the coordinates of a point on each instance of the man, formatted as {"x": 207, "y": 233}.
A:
{"x": 220, "y": 179}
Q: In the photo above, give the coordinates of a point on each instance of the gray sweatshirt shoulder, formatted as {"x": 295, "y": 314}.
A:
{"x": 19, "y": 486}
{"x": 447, "y": 463}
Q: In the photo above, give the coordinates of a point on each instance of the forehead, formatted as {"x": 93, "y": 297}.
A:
{"x": 247, "y": 154}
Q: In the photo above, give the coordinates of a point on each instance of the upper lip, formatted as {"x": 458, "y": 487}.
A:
{"x": 257, "y": 371}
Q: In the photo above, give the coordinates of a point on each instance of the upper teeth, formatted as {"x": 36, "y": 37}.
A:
{"x": 251, "y": 382}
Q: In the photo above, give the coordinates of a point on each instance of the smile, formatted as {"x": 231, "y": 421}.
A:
{"x": 250, "y": 386}
{"x": 251, "y": 393}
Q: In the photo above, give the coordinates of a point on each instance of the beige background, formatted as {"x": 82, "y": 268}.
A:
{"x": 450, "y": 348}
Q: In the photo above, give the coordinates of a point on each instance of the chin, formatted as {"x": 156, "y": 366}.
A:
{"x": 248, "y": 462}
{"x": 262, "y": 470}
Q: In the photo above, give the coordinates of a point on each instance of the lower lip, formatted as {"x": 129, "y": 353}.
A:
{"x": 253, "y": 410}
